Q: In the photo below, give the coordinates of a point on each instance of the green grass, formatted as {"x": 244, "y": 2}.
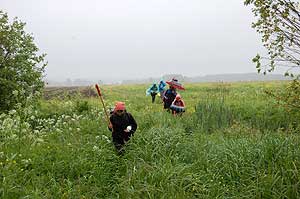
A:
{"x": 233, "y": 142}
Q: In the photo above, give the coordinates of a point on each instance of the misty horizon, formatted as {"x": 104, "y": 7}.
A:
{"x": 132, "y": 39}
{"x": 232, "y": 77}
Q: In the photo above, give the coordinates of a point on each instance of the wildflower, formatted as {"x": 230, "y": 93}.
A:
{"x": 26, "y": 125}
{"x": 2, "y": 115}
{"x": 13, "y": 136}
{"x": 95, "y": 148}
{"x": 12, "y": 112}
{"x": 106, "y": 139}
{"x": 15, "y": 93}
{"x": 39, "y": 140}
{"x": 36, "y": 131}
{"x": 58, "y": 130}
{"x": 37, "y": 93}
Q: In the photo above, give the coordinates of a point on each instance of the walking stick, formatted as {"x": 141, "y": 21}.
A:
{"x": 100, "y": 95}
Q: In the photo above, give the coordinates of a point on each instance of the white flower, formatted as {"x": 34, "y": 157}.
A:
{"x": 12, "y": 112}
{"x": 13, "y": 136}
{"x": 15, "y": 92}
{"x": 37, "y": 93}
{"x": 40, "y": 140}
{"x": 106, "y": 139}
{"x": 95, "y": 148}
{"x": 26, "y": 125}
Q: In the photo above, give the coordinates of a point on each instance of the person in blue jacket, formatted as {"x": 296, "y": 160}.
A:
{"x": 153, "y": 90}
{"x": 161, "y": 88}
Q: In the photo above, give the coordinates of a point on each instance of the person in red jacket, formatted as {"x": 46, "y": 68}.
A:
{"x": 178, "y": 105}
{"x": 122, "y": 125}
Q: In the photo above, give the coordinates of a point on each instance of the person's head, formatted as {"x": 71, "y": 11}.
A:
{"x": 178, "y": 97}
{"x": 120, "y": 108}
{"x": 172, "y": 87}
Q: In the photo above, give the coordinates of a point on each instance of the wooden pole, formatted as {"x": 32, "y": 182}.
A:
{"x": 100, "y": 95}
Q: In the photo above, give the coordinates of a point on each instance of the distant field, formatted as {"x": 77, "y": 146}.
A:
{"x": 234, "y": 141}
{"x": 63, "y": 92}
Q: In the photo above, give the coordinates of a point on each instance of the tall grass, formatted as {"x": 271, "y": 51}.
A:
{"x": 65, "y": 150}
{"x": 253, "y": 108}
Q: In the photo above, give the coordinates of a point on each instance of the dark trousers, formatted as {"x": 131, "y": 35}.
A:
{"x": 119, "y": 142}
{"x": 153, "y": 96}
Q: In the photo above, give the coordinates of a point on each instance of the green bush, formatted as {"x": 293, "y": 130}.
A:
{"x": 21, "y": 67}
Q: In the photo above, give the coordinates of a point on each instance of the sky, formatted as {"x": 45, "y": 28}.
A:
{"x": 129, "y": 39}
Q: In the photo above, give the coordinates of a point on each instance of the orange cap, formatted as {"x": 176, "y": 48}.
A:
{"x": 120, "y": 106}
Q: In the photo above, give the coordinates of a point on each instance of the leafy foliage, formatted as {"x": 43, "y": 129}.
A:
{"x": 21, "y": 68}
{"x": 289, "y": 99}
{"x": 278, "y": 21}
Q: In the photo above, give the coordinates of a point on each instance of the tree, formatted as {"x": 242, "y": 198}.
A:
{"x": 21, "y": 68}
{"x": 278, "y": 21}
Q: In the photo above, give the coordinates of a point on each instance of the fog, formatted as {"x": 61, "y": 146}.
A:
{"x": 127, "y": 39}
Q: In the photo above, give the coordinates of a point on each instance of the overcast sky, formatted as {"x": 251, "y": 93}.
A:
{"x": 139, "y": 38}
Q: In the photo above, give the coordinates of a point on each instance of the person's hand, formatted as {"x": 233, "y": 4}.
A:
{"x": 110, "y": 125}
{"x": 128, "y": 129}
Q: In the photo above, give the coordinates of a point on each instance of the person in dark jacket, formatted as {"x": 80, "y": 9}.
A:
{"x": 169, "y": 96}
{"x": 122, "y": 125}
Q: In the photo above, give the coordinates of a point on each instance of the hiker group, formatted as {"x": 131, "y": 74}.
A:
{"x": 123, "y": 125}
{"x": 172, "y": 100}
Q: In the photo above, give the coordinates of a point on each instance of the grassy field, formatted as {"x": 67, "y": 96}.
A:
{"x": 234, "y": 141}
